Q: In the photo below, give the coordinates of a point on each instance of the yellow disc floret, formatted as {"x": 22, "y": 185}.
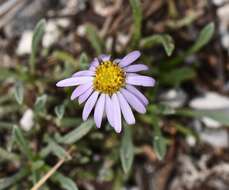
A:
{"x": 109, "y": 78}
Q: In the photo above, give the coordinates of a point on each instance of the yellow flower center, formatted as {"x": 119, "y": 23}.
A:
{"x": 109, "y": 78}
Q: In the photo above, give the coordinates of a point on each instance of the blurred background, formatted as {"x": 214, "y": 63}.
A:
{"x": 181, "y": 143}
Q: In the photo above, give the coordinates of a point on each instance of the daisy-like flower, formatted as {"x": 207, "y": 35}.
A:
{"x": 108, "y": 86}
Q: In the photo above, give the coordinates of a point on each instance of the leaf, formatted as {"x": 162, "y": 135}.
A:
{"x": 137, "y": 17}
{"x": 158, "y": 140}
{"x": 40, "y": 103}
{"x": 22, "y": 143}
{"x": 164, "y": 39}
{"x": 204, "y": 37}
{"x": 94, "y": 39}
{"x": 6, "y": 182}
{"x": 84, "y": 61}
{"x": 37, "y": 36}
{"x": 77, "y": 133}
{"x": 19, "y": 92}
{"x": 221, "y": 116}
{"x": 59, "y": 110}
{"x": 159, "y": 146}
{"x": 65, "y": 182}
{"x": 177, "y": 76}
{"x": 64, "y": 56}
{"x": 127, "y": 150}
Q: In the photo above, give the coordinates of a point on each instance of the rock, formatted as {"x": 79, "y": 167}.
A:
{"x": 27, "y": 120}
{"x": 211, "y": 101}
{"x": 218, "y": 138}
{"x": 25, "y": 43}
{"x": 52, "y": 34}
{"x": 174, "y": 98}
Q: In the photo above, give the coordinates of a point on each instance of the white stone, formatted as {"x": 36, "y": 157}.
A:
{"x": 25, "y": 43}
{"x": 51, "y": 35}
{"x": 174, "y": 98}
{"x": 210, "y": 100}
{"x": 218, "y": 138}
{"x": 191, "y": 140}
{"x": 27, "y": 120}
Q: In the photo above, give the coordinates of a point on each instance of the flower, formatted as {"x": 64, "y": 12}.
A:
{"x": 108, "y": 86}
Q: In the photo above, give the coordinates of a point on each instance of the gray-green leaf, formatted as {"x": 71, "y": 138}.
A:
{"x": 137, "y": 17}
{"x": 37, "y": 36}
{"x": 59, "y": 110}
{"x": 19, "y": 92}
{"x": 40, "y": 103}
{"x": 127, "y": 150}
{"x": 77, "y": 133}
{"x": 65, "y": 182}
{"x": 204, "y": 37}
{"x": 22, "y": 143}
{"x": 159, "y": 146}
{"x": 94, "y": 39}
{"x": 84, "y": 61}
{"x": 163, "y": 39}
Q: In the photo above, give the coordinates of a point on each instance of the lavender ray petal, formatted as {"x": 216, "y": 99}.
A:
{"x": 80, "y": 90}
{"x": 74, "y": 81}
{"x": 84, "y": 96}
{"x": 89, "y": 105}
{"x": 136, "y": 68}
{"x": 129, "y": 58}
{"x": 84, "y": 73}
{"x": 117, "y": 113}
{"x": 99, "y": 110}
{"x": 109, "y": 110}
{"x": 134, "y": 102}
{"x": 126, "y": 110}
{"x": 138, "y": 94}
{"x": 140, "y": 80}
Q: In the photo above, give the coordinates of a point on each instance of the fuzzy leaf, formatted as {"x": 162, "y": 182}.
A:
{"x": 204, "y": 37}
{"x": 59, "y": 110}
{"x": 65, "y": 182}
{"x": 40, "y": 103}
{"x": 19, "y": 92}
{"x": 127, "y": 150}
{"x": 84, "y": 61}
{"x": 159, "y": 146}
{"x": 22, "y": 143}
{"x": 137, "y": 17}
{"x": 164, "y": 39}
{"x": 37, "y": 36}
{"x": 77, "y": 133}
{"x": 94, "y": 39}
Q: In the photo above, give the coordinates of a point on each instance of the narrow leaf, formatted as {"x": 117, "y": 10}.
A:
{"x": 204, "y": 37}
{"x": 94, "y": 39}
{"x": 164, "y": 39}
{"x": 159, "y": 146}
{"x": 177, "y": 76}
{"x": 19, "y": 92}
{"x": 127, "y": 150}
{"x": 77, "y": 133}
{"x": 40, "y": 103}
{"x": 6, "y": 182}
{"x": 37, "y": 36}
{"x": 84, "y": 61}
{"x": 65, "y": 182}
{"x": 22, "y": 143}
{"x": 137, "y": 17}
{"x": 59, "y": 110}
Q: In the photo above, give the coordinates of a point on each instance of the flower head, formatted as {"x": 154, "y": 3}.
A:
{"x": 108, "y": 86}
